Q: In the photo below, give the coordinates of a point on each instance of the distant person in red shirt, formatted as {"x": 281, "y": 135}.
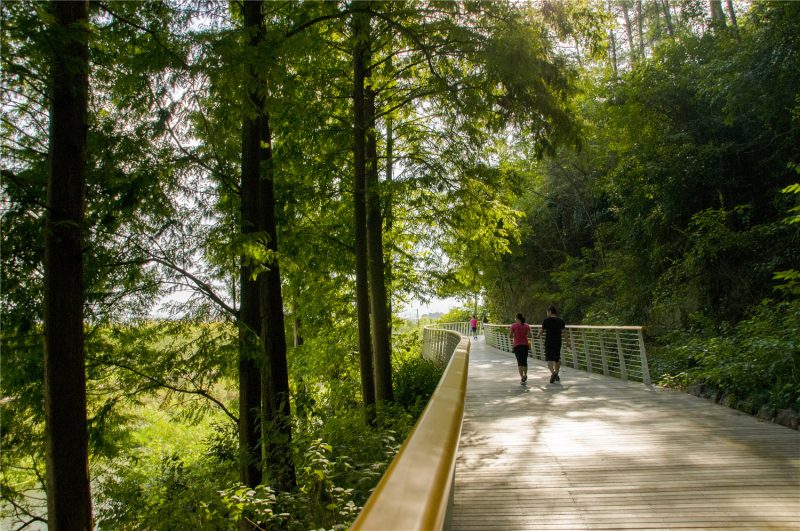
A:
{"x": 554, "y": 329}
{"x": 520, "y": 331}
{"x": 473, "y": 323}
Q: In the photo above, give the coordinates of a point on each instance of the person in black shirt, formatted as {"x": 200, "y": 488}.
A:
{"x": 554, "y": 329}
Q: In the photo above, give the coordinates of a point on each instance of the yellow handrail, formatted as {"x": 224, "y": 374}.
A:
{"x": 416, "y": 489}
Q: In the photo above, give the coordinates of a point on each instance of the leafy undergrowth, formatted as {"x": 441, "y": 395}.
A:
{"x": 753, "y": 366}
{"x": 182, "y": 472}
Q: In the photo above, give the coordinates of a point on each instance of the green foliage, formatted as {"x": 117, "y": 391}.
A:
{"x": 167, "y": 494}
{"x": 671, "y": 215}
{"x": 664, "y": 212}
{"x": 456, "y": 315}
{"x": 319, "y": 502}
{"x": 171, "y": 463}
{"x": 414, "y": 380}
{"x": 791, "y": 277}
{"x": 179, "y": 471}
{"x": 181, "y": 477}
{"x": 752, "y": 365}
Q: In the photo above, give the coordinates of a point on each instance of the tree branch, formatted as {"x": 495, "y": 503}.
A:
{"x": 199, "y": 392}
{"x": 11, "y": 176}
{"x": 105, "y": 7}
{"x": 200, "y": 284}
{"x": 294, "y": 31}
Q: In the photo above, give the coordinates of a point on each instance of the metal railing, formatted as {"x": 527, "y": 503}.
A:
{"x": 416, "y": 491}
{"x": 611, "y": 350}
{"x": 462, "y": 327}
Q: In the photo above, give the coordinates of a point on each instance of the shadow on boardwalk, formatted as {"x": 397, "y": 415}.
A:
{"x": 599, "y": 453}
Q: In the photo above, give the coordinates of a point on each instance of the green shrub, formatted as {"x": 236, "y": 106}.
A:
{"x": 751, "y": 366}
{"x": 415, "y": 379}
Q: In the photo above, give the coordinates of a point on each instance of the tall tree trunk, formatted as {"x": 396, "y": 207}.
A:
{"x": 639, "y": 28}
{"x": 732, "y": 15}
{"x": 717, "y": 13}
{"x": 250, "y": 360}
{"x": 276, "y": 431}
{"x": 360, "y": 22}
{"x": 381, "y": 342}
{"x": 613, "y": 39}
{"x": 277, "y": 466}
{"x": 668, "y": 17}
{"x": 68, "y": 492}
{"x": 276, "y": 421}
{"x": 577, "y": 50}
{"x": 297, "y": 337}
{"x": 658, "y": 33}
{"x": 613, "y": 52}
{"x": 251, "y": 351}
{"x": 627, "y": 18}
{"x": 389, "y": 213}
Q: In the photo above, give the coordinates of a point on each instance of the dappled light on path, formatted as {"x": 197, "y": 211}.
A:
{"x": 600, "y": 453}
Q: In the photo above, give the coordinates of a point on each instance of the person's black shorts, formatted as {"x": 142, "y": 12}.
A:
{"x": 552, "y": 355}
{"x": 521, "y": 352}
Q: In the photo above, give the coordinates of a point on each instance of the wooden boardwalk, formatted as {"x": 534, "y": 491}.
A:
{"x": 599, "y": 453}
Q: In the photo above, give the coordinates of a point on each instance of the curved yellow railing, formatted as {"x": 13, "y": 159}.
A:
{"x": 416, "y": 490}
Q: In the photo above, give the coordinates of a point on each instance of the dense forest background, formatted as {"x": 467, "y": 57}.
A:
{"x": 264, "y": 186}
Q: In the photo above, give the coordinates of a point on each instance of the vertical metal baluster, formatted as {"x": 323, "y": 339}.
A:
{"x": 603, "y": 359}
{"x": 623, "y": 370}
{"x": 574, "y": 350}
{"x": 643, "y": 354}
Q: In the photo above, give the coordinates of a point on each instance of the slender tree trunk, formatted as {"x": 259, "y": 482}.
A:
{"x": 360, "y": 21}
{"x": 276, "y": 429}
{"x": 732, "y": 15}
{"x": 639, "y": 28}
{"x": 717, "y": 13}
{"x": 658, "y": 33}
{"x": 631, "y": 46}
{"x": 381, "y": 342}
{"x": 68, "y": 492}
{"x": 577, "y": 51}
{"x": 276, "y": 436}
{"x": 297, "y": 337}
{"x": 613, "y": 52}
{"x": 250, "y": 359}
{"x": 251, "y": 351}
{"x": 668, "y": 17}
{"x": 613, "y": 39}
{"x": 389, "y": 213}
{"x": 276, "y": 425}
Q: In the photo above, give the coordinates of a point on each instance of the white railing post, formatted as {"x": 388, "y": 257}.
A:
{"x": 623, "y": 370}
{"x": 643, "y": 354}
{"x": 586, "y": 352}
{"x": 603, "y": 359}
{"x": 574, "y": 350}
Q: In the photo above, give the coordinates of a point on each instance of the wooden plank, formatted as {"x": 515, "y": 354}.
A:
{"x": 600, "y": 453}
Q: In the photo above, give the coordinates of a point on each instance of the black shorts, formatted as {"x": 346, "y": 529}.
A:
{"x": 521, "y": 352}
{"x": 552, "y": 355}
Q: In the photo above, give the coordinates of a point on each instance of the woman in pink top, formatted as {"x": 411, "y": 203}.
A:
{"x": 520, "y": 332}
{"x": 473, "y": 323}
